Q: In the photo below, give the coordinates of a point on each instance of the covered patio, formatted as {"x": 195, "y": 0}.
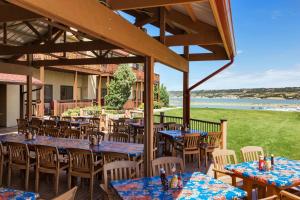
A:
{"x": 142, "y": 146}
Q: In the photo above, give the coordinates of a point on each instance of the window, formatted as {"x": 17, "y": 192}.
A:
{"x": 66, "y": 92}
{"x": 48, "y": 93}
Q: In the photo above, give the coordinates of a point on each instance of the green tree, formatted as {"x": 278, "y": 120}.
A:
{"x": 164, "y": 95}
{"x": 120, "y": 87}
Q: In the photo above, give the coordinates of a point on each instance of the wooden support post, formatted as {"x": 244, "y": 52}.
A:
{"x": 136, "y": 94}
{"x": 186, "y": 93}
{"x": 42, "y": 92}
{"x": 158, "y": 93}
{"x": 142, "y": 92}
{"x": 224, "y": 133}
{"x": 107, "y": 84}
{"x": 29, "y": 97}
{"x": 161, "y": 117}
{"x": 75, "y": 88}
{"x": 162, "y": 25}
{"x": 4, "y": 33}
{"x": 99, "y": 91}
{"x": 21, "y": 102}
{"x": 148, "y": 115}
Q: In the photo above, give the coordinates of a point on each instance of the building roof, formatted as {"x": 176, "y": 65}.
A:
{"x": 17, "y": 79}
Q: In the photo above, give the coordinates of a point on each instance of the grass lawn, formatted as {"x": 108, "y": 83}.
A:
{"x": 277, "y": 132}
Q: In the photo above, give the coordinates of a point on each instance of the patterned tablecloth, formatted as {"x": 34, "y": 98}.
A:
{"x": 286, "y": 173}
{"x": 12, "y": 194}
{"x": 131, "y": 149}
{"x": 176, "y": 134}
{"x": 195, "y": 186}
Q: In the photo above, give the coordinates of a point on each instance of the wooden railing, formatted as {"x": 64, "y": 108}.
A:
{"x": 196, "y": 124}
{"x": 61, "y": 106}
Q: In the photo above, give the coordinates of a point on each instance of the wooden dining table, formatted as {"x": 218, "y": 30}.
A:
{"x": 9, "y": 193}
{"x": 285, "y": 174}
{"x": 196, "y": 185}
{"x": 132, "y": 149}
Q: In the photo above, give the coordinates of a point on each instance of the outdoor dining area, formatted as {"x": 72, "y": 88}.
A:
{"x": 65, "y": 149}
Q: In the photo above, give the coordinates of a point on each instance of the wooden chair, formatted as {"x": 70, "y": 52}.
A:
{"x": 222, "y": 158}
{"x": 284, "y": 195}
{"x": 174, "y": 126}
{"x": 82, "y": 163}
{"x": 190, "y": 146}
{"x": 47, "y": 161}
{"x": 251, "y": 153}
{"x": 36, "y": 130}
{"x": 64, "y": 125}
{"x": 19, "y": 158}
{"x": 69, "y": 195}
{"x": 72, "y": 134}
{"x": 22, "y": 125}
{"x": 167, "y": 163}
{"x": 211, "y": 142}
{"x": 158, "y": 141}
{"x": 66, "y": 118}
{"x": 95, "y": 124}
{"x": 52, "y": 132}
{"x": 36, "y": 122}
{"x": 3, "y": 161}
{"x": 274, "y": 197}
{"x": 118, "y": 137}
{"x": 114, "y": 156}
{"x": 50, "y": 124}
{"x": 118, "y": 170}
{"x": 54, "y": 118}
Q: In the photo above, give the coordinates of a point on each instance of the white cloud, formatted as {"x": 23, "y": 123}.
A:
{"x": 285, "y": 77}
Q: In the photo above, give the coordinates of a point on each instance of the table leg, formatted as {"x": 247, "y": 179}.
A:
{"x": 261, "y": 190}
{"x": 247, "y": 186}
{"x": 271, "y": 190}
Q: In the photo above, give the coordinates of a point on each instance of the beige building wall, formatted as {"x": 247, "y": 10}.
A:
{"x": 12, "y": 104}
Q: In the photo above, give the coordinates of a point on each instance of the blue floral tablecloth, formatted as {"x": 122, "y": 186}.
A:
{"x": 195, "y": 186}
{"x": 132, "y": 149}
{"x": 286, "y": 173}
{"x": 12, "y": 194}
{"x": 177, "y": 134}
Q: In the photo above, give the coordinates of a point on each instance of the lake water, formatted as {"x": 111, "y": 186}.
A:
{"x": 245, "y": 103}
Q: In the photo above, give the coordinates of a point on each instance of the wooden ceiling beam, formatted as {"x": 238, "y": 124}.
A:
{"x": 56, "y": 47}
{"x": 191, "y": 12}
{"x": 86, "y": 61}
{"x": 11, "y": 68}
{"x": 9, "y": 12}
{"x": 206, "y": 57}
{"x": 138, "y": 4}
{"x": 94, "y": 21}
{"x": 192, "y": 39}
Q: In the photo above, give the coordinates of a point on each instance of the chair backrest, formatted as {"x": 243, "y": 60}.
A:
{"x": 81, "y": 160}
{"x": 158, "y": 127}
{"x": 167, "y": 163}
{"x": 213, "y": 139}
{"x": 18, "y": 153}
{"x": 95, "y": 123}
{"x": 191, "y": 141}
{"x": 72, "y": 134}
{"x": 22, "y": 122}
{"x": 35, "y": 122}
{"x": 284, "y": 195}
{"x": 114, "y": 156}
{"x": 47, "y": 156}
{"x": 35, "y": 130}
{"x": 50, "y": 123}
{"x": 119, "y": 170}
{"x": 222, "y": 157}
{"x": 118, "y": 137}
{"x": 55, "y": 118}
{"x": 140, "y": 138}
{"x": 64, "y": 125}
{"x": 1, "y": 153}
{"x": 69, "y": 195}
{"x": 173, "y": 126}
{"x": 66, "y": 118}
{"x": 251, "y": 153}
{"x": 53, "y": 132}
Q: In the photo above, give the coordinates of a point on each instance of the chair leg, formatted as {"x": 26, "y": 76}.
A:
{"x": 26, "y": 178}
{"x": 9, "y": 176}
{"x": 1, "y": 173}
{"x": 69, "y": 180}
{"x": 37, "y": 181}
{"x": 183, "y": 156}
{"x": 199, "y": 160}
{"x": 91, "y": 187}
{"x": 56, "y": 182}
{"x": 206, "y": 159}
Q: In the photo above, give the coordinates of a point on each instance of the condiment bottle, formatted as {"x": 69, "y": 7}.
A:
{"x": 272, "y": 160}
{"x": 94, "y": 140}
{"x": 261, "y": 163}
{"x": 174, "y": 181}
{"x": 29, "y": 136}
{"x": 164, "y": 180}
{"x": 180, "y": 183}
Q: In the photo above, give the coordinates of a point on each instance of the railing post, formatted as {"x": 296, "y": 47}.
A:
{"x": 55, "y": 107}
{"x": 161, "y": 117}
{"x": 224, "y": 133}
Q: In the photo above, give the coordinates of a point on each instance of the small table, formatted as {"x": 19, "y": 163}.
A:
{"x": 195, "y": 186}
{"x": 8, "y": 193}
{"x": 286, "y": 174}
{"x": 175, "y": 135}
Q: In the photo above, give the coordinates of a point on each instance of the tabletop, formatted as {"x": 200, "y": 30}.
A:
{"x": 179, "y": 133}
{"x": 195, "y": 186}
{"x": 132, "y": 149}
{"x": 8, "y": 193}
{"x": 136, "y": 125}
{"x": 286, "y": 173}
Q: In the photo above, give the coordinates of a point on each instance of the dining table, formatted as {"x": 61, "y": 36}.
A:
{"x": 132, "y": 149}
{"x": 284, "y": 174}
{"x": 13, "y": 194}
{"x": 196, "y": 185}
{"x": 172, "y": 136}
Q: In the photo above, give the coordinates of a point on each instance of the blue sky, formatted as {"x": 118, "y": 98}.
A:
{"x": 267, "y": 34}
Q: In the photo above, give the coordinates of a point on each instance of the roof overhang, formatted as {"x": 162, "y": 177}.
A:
{"x": 16, "y": 79}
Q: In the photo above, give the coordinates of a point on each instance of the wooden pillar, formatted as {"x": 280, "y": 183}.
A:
{"x": 148, "y": 115}
{"x": 158, "y": 92}
{"x": 107, "y": 84}
{"x": 29, "y": 97}
{"x": 4, "y": 33}
{"x": 42, "y": 92}
{"x": 136, "y": 94}
{"x": 75, "y": 86}
{"x": 21, "y": 102}
{"x": 99, "y": 91}
{"x": 224, "y": 133}
{"x": 142, "y": 92}
{"x": 186, "y": 93}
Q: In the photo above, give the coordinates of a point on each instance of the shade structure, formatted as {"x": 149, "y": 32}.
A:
{"x": 17, "y": 79}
